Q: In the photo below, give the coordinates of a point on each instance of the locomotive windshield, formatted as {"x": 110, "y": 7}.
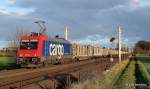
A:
{"x": 28, "y": 44}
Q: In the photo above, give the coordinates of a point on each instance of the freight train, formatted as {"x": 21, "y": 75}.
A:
{"x": 37, "y": 49}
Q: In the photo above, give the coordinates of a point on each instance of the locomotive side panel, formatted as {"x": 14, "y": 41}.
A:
{"x": 56, "y": 51}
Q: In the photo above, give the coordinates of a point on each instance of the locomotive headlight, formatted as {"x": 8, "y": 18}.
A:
{"x": 20, "y": 55}
{"x": 35, "y": 55}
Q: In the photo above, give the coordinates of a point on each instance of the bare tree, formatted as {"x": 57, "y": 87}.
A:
{"x": 15, "y": 37}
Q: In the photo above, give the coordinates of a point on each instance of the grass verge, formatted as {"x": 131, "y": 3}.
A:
{"x": 7, "y": 63}
{"x": 127, "y": 78}
{"x": 106, "y": 81}
{"x": 144, "y": 74}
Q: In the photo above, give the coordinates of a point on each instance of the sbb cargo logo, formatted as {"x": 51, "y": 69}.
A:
{"x": 56, "y": 49}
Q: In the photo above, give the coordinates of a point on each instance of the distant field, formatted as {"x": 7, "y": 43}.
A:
{"x": 147, "y": 65}
{"x": 7, "y": 63}
{"x": 146, "y": 61}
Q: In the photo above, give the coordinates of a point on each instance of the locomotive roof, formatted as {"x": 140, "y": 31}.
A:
{"x": 59, "y": 40}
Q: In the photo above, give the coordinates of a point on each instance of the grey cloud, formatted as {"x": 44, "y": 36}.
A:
{"x": 71, "y": 4}
{"x": 83, "y": 18}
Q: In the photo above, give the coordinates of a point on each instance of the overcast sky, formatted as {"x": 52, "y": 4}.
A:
{"x": 88, "y": 21}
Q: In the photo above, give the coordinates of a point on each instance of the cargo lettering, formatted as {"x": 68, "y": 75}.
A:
{"x": 56, "y": 49}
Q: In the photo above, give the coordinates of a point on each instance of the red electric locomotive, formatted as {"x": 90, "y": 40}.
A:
{"x": 30, "y": 50}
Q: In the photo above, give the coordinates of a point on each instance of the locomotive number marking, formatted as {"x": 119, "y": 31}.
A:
{"x": 56, "y": 49}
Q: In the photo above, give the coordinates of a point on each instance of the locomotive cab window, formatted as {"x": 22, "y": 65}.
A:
{"x": 28, "y": 44}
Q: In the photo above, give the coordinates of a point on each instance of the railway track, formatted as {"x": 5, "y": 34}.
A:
{"x": 20, "y": 79}
{"x": 20, "y": 70}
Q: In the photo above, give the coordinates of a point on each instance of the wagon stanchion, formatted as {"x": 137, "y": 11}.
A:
{"x": 53, "y": 84}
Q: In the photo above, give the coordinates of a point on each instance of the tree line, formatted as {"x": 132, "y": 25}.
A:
{"x": 142, "y": 47}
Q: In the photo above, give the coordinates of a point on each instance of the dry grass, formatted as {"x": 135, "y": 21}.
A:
{"x": 127, "y": 80}
{"x": 144, "y": 73}
{"x": 107, "y": 80}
